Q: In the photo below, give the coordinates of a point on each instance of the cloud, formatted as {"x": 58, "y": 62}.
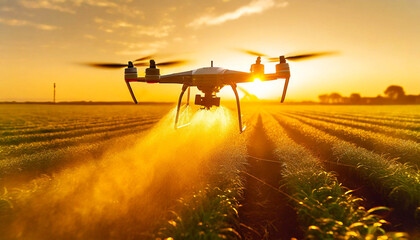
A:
{"x": 254, "y": 7}
{"x": 6, "y": 9}
{"x": 70, "y": 6}
{"x": 140, "y": 49}
{"x": 123, "y": 9}
{"x": 45, "y": 4}
{"x": 160, "y": 30}
{"x": 17, "y": 22}
{"x": 96, "y": 3}
{"x": 88, "y": 36}
{"x": 157, "y": 32}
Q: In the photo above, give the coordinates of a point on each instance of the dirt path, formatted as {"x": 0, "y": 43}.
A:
{"x": 265, "y": 213}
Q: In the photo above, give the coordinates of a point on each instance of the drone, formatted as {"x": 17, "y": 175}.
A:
{"x": 209, "y": 80}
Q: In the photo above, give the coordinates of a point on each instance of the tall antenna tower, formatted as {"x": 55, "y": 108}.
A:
{"x": 54, "y": 94}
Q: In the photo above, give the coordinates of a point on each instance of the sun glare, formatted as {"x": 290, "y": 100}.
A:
{"x": 257, "y": 88}
{"x": 262, "y": 90}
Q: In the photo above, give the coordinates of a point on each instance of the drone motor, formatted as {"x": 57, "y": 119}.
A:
{"x": 283, "y": 69}
{"x": 257, "y": 69}
{"x": 152, "y": 73}
{"x": 130, "y": 71}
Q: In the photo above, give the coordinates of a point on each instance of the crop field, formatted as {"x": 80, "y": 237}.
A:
{"x": 124, "y": 172}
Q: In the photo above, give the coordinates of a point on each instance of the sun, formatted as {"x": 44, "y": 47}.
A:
{"x": 263, "y": 89}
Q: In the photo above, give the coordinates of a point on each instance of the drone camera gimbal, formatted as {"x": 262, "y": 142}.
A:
{"x": 207, "y": 101}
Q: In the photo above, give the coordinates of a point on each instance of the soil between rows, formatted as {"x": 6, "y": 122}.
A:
{"x": 265, "y": 213}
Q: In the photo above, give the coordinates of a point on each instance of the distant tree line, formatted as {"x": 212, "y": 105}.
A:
{"x": 393, "y": 95}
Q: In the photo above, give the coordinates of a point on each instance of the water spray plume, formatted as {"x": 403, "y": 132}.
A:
{"x": 125, "y": 193}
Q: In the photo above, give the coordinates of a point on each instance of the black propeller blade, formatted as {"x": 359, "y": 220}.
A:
{"x": 140, "y": 62}
{"x": 143, "y": 58}
{"x": 253, "y": 53}
{"x": 301, "y": 57}
{"x": 298, "y": 57}
{"x": 172, "y": 63}
{"x": 115, "y": 65}
{"x": 108, "y": 65}
{"x": 120, "y": 65}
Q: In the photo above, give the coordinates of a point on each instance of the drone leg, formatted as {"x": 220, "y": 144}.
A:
{"x": 188, "y": 96}
{"x": 131, "y": 92}
{"x": 286, "y": 83}
{"x": 184, "y": 87}
{"x": 241, "y": 129}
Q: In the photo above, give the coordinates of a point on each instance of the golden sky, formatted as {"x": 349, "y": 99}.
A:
{"x": 43, "y": 41}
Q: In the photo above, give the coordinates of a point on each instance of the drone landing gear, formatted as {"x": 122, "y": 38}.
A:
{"x": 184, "y": 88}
{"x": 238, "y": 105}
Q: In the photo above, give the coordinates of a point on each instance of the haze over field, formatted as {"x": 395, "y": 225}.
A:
{"x": 42, "y": 41}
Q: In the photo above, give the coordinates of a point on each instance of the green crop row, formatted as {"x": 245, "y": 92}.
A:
{"x": 10, "y": 151}
{"x": 405, "y": 150}
{"x": 325, "y": 209}
{"x": 33, "y": 117}
{"x": 80, "y": 148}
{"x": 19, "y": 139}
{"x": 61, "y": 127}
{"x": 398, "y": 133}
{"x": 387, "y": 116}
{"x": 22, "y": 122}
{"x": 398, "y": 183}
{"x": 45, "y": 123}
{"x": 212, "y": 211}
{"x": 390, "y": 122}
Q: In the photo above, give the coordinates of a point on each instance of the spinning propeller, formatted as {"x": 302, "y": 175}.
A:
{"x": 299, "y": 57}
{"x": 140, "y": 62}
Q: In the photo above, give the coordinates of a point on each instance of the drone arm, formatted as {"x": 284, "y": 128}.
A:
{"x": 180, "y": 78}
{"x": 243, "y": 77}
{"x": 237, "y": 77}
{"x": 270, "y": 77}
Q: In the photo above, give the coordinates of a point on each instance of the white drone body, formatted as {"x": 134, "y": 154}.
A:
{"x": 209, "y": 80}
